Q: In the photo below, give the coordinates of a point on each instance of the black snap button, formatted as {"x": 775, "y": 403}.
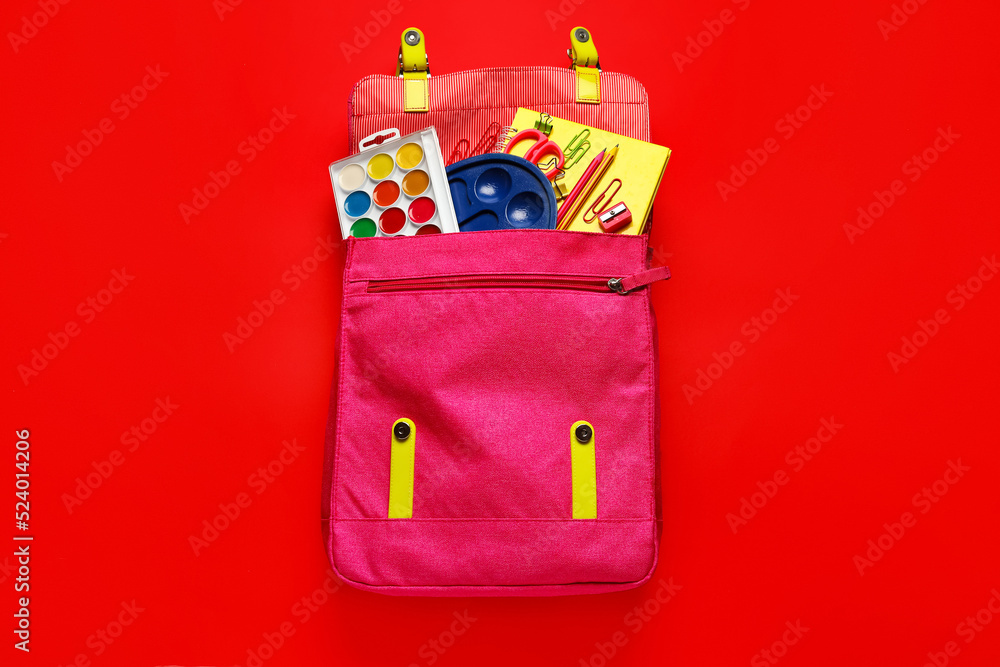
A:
{"x": 582, "y": 35}
{"x": 584, "y": 433}
{"x": 401, "y": 431}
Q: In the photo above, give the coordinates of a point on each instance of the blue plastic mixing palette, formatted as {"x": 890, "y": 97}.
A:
{"x": 395, "y": 188}
{"x": 500, "y": 191}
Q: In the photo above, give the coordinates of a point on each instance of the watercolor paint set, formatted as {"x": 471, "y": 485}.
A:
{"x": 397, "y": 187}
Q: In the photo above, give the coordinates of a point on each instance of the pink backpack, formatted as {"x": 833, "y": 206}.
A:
{"x": 494, "y": 416}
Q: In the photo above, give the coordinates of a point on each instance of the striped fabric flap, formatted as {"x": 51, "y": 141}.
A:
{"x": 471, "y": 108}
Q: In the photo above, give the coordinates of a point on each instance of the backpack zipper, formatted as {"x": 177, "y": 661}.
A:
{"x": 521, "y": 281}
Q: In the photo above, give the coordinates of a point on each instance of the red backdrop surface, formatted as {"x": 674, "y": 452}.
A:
{"x": 898, "y": 86}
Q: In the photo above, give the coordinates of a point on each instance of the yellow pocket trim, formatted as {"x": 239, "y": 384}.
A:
{"x": 588, "y": 85}
{"x": 584, "y": 463}
{"x": 403, "y": 453}
{"x": 415, "y": 96}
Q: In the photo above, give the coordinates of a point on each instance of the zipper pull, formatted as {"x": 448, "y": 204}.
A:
{"x": 637, "y": 280}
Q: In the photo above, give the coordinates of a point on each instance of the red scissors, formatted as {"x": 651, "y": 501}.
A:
{"x": 543, "y": 146}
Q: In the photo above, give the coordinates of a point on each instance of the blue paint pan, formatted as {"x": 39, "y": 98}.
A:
{"x": 500, "y": 191}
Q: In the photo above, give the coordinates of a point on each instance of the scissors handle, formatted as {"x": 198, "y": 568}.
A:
{"x": 542, "y": 147}
{"x": 537, "y": 152}
{"x": 524, "y": 135}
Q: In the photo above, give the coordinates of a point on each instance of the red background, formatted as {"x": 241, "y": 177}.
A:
{"x": 826, "y": 357}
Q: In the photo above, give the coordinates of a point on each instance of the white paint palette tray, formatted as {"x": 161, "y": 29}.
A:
{"x": 397, "y": 187}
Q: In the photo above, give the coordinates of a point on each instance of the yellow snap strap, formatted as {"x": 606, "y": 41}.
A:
{"x": 584, "y": 463}
{"x": 583, "y": 53}
{"x": 403, "y": 452}
{"x": 414, "y": 67}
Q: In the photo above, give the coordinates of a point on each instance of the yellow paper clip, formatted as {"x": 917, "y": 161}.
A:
{"x": 544, "y": 123}
{"x": 596, "y": 209}
{"x": 558, "y": 184}
{"x": 560, "y": 188}
{"x": 577, "y": 147}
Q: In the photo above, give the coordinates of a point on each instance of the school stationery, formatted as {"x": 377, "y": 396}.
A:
{"x": 485, "y": 144}
{"x": 603, "y": 200}
{"x": 577, "y": 148}
{"x": 639, "y": 165}
{"x": 394, "y": 187}
{"x": 589, "y": 186}
{"x": 581, "y": 183}
{"x": 485, "y": 437}
{"x": 615, "y": 217}
{"x": 498, "y": 191}
{"x": 539, "y": 149}
{"x": 544, "y": 124}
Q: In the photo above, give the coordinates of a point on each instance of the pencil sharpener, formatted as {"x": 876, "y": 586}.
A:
{"x": 615, "y": 217}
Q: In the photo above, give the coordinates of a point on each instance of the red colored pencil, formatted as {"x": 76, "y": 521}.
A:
{"x": 568, "y": 202}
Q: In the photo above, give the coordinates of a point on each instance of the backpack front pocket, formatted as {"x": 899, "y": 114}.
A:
{"x": 495, "y": 416}
{"x": 493, "y": 370}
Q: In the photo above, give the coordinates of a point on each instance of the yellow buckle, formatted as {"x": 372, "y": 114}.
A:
{"x": 583, "y": 464}
{"x": 414, "y": 67}
{"x": 583, "y": 56}
{"x": 402, "y": 448}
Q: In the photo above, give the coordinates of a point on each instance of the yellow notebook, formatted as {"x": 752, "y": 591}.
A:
{"x": 639, "y": 165}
